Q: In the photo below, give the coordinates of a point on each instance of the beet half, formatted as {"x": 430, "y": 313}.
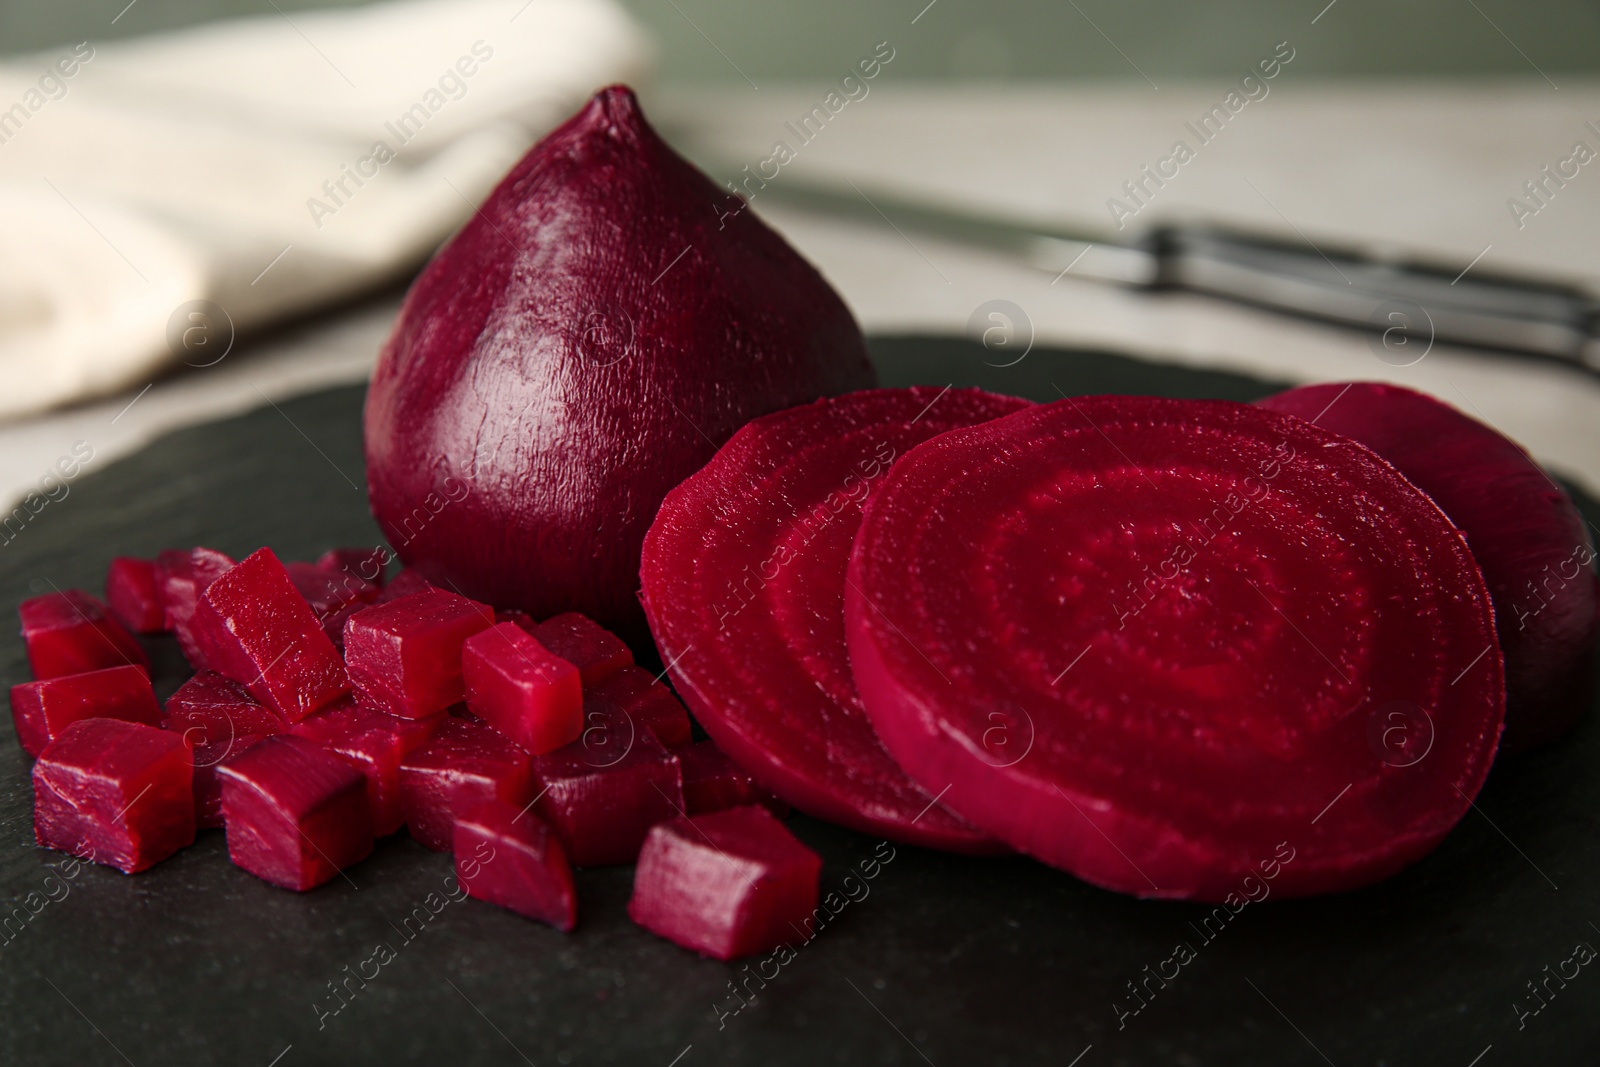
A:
{"x": 744, "y": 580}
{"x": 582, "y": 345}
{"x": 1534, "y": 549}
{"x": 1161, "y": 643}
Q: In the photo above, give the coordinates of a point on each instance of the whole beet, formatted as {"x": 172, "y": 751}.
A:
{"x": 588, "y": 339}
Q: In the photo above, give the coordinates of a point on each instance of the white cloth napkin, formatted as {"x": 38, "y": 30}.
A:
{"x": 263, "y": 165}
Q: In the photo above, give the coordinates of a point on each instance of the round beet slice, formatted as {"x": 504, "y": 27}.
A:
{"x": 1529, "y": 539}
{"x": 743, "y": 574}
{"x": 1170, "y": 646}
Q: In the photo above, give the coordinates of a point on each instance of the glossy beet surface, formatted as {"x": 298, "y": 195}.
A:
{"x": 727, "y": 884}
{"x": 69, "y": 632}
{"x": 1151, "y": 641}
{"x": 712, "y": 782}
{"x": 1535, "y": 551}
{"x": 219, "y": 718}
{"x": 41, "y": 710}
{"x": 114, "y": 792}
{"x": 133, "y": 593}
{"x": 744, "y": 580}
{"x": 603, "y": 322}
{"x": 404, "y": 656}
{"x": 183, "y": 574}
{"x": 511, "y": 858}
{"x": 374, "y": 744}
{"x": 515, "y": 685}
{"x": 584, "y": 643}
{"x": 463, "y": 764}
{"x": 647, "y": 702}
{"x": 296, "y": 814}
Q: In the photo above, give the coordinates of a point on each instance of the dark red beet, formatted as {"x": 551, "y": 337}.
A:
{"x": 365, "y": 564}
{"x": 184, "y": 574}
{"x": 405, "y": 656}
{"x": 647, "y": 702}
{"x": 296, "y": 814}
{"x": 712, "y": 782}
{"x": 405, "y": 583}
{"x": 603, "y": 322}
{"x": 252, "y": 625}
{"x": 133, "y": 593}
{"x": 42, "y": 710}
{"x": 585, "y": 644}
{"x": 220, "y": 719}
{"x": 70, "y": 633}
{"x": 327, "y": 591}
{"x": 1155, "y": 642}
{"x": 1532, "y": 544}
{"x": 374, "y": 744}
{"x": 515, "y": 685}
{"x": 114, "y": 792}
{"x": 510, "y": 858}
{"x": 462, "y": 765}
{"x": 744, "y": 578}
{"x": 725, "y": 885}
{"x": 602, "y": 793}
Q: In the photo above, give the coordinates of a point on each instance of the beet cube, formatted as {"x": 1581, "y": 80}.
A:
{"x": 252, "y": 625}
{"x": 405, "y": 656}
{"x": 327, "y": 591}
{"x": 515, "y": 685}
{"x": 713, "y": 782}
{"x": 511, "y": 858}
{"x": 42, "y": 710}
{"x": 114, "y": 792}
{"x": 70, "y": 633}
{"x": 462, "y": 765}
{"x": 405, "y": 583}
{"x": 364, "y": 563}
{"x": 585, "y": 644}
{"x": 516, "y": 615}
{"x": 374, "y": 744}
{"x": 602, "y": 793}
{"x": 133, "y": 593}
{"x": 219, "y": 719}
{"x": 183, "y": 575}
{"x": 726, "y": 884}
{"x": 296, "y": 814}
{"x": 647, "y": 702}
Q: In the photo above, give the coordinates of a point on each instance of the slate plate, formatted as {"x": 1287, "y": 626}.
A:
{"x": 937, "y": 959}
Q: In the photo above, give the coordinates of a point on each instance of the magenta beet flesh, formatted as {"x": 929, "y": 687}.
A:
{"x": 1163, "y": 636}
{"x": 584, "y": 643}
{"x": 647, "y": 702}
{"x": 515, "y": 685}
{"x": 326, "y": 590}
{"x": 70, "y": 633}
{"x": 1533, "y": 546}
{"x": 582, "y": 345}
{"x": 712, "y": 782}
{"x": 404, "y": 656}
{"x": 744, "y": 580}
{"x": 365, "y": 564}
{"x": 374, "y": 744}
{"x": 296, "y": 814}
{"x": 727, "y": 884}
{"x": 219, "y": 718}
{"x": 464, "y": 764}
{"x": 42, "y": 710}
{"x": 511, "y": 858}
{"x": 133, "y": 593}
{"x": 252, "y": 625}
{"x": 183, "y": 575}
{"x": 114, "y": 792}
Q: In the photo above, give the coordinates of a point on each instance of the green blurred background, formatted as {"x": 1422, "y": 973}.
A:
{"x": 1001, "y": 39}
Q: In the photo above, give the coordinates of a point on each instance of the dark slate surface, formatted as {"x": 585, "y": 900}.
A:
{"x": 938, "y": 959}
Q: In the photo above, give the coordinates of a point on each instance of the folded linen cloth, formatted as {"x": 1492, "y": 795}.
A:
{"x": 161, "y": 193}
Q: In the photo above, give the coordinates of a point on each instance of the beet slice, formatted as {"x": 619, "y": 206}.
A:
{"x": 219, "y": 718}
{"x": 114, "y": 792}
{"x": 133, "y": 593}
{"x": 743, "y": 579}
{"x": 184, "y": 574}
{"x": 511, "y": 858}
{"x": 69, "y": 632}
{"x": 42, "y": 710}
{"x": 713, "y": 782}
{"x": 296, "y": 814}
{"x": 585, "y": 644}
{"x": 1533, "y": 546}
{"x": 1153, "y": 641}
{"x": 517, "y": 686}
{"x": 647, "y": 702}
{"x": 374, "y": 744}
{"x": 404, "y": 656}
{"x": 725, "y": 885}
{"x": 462, "y": 765}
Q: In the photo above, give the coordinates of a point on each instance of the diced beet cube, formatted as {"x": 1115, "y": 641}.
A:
{"x": 713, "y": 782}
{"x": 326, "y": 590}
{"x": 42, "y": 710}
{"x": 364, "y": 563}
{"x": 585, "y": 644}
{"x": 333, "y": 623}
{"x": 405, "y": 583}
{"x": 183, "y": 575}
{"x": 516, "y": 615}
{"x": 647, "y": 702}
{"x": 602, "y": 793}
{"x": 133, "y": 593}
{"x": 296, "y": 814}
{"x": 462, "y": 765}
{"x": 70, "y": 633}
{"x": 726, "y": 884}
{"x": 515, "y": 685}
{"x": 511, "y": 858}
{"x": 405, "y": 656}
{"x": 114, "y": 792}
{"x": 374, "y": 744}
{"x": 252, "y": 625}
{"x": 219, "y": 719}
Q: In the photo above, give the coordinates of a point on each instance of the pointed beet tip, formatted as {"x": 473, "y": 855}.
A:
{"x": 614, "y": 109}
